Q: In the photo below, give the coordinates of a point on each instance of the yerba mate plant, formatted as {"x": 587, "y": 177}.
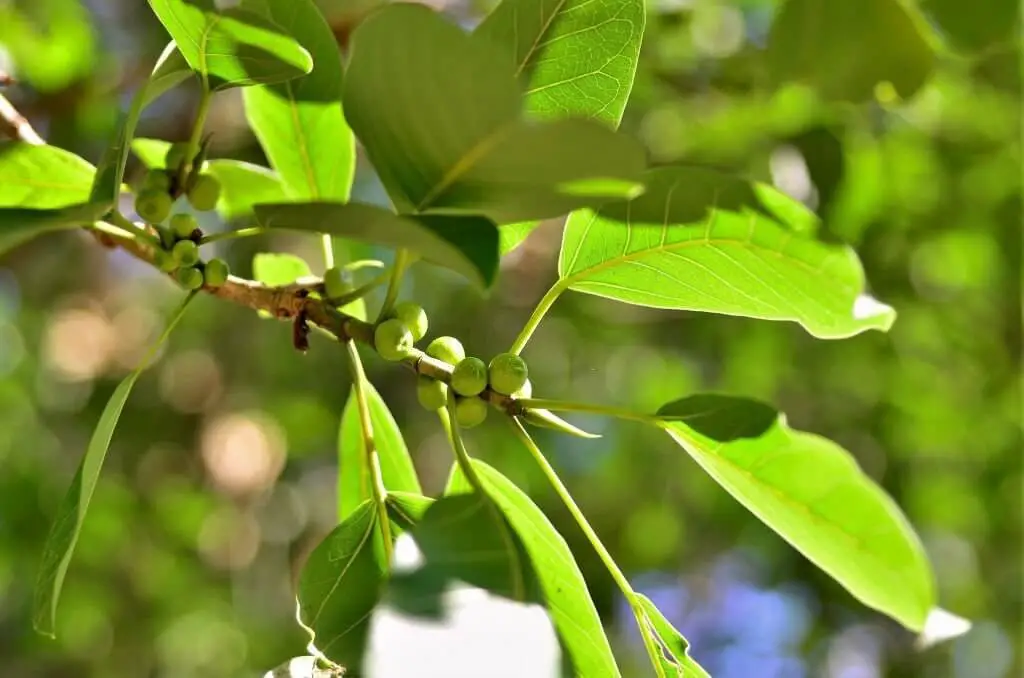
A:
{"x": 476, "y": 137}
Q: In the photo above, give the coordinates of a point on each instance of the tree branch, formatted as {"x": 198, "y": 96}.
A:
{"x": 16, "y": 125}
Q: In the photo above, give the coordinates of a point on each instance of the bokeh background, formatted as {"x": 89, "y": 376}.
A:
{"x": 221, "y": 475}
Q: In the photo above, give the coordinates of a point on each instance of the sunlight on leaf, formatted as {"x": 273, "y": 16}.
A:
{"x": 674, "y": 649}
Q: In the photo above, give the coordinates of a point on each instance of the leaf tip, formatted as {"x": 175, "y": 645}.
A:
{"x": 940, "y": 626}
{"x": 868, "y": 309}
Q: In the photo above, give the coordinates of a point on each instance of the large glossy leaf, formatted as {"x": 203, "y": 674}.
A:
{"x": 42, "y": 176}
{"x": 341, "y": 583}
{"x": 702, "y": 240}
{"x": 675, "y": 650}
{"x": 821, "y": 43}
{"x": 461, "y": 579}
{"x": 811, "y": 492}
{"x": 299, "y": 123}
{"x": 236, "y": 47}
{"x": 60, "y": 543}
{"x": 19, "y": 225}
{"x": 565, "y": 590}
{"x": 440, "y": 116}
{"x": 466, "y": 244}
{"x": 170, "y": 70}
{"x": 397, "y": 470}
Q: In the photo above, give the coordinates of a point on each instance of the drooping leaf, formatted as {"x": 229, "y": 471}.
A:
{"x": 396, "y": 466}
{"x": 299, "y": 123}
{"x": 564, "y": 589}
{"x": 170, "y": 70}
{"x": 42, "y": 176}
{"x": 236, "y": 47}
{"x": 821, "y": 43}
{"x": 340, "y": 584}
{"x": 63, "y": 536}
{"x": 813, "y": 494}
{"x": 278, "y": 268}
{"x": 466, "y": 244}
{"x": 461, "y": 579}
{"x": 702, "y": 240}
{"x": 574, "y": 57}
{"x": 674, "y": 649}
{"x": 19, "y": 225}
{"x": 440, "y": 115}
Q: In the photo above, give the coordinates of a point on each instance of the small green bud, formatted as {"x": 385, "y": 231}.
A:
{"x": 185, "y": 252}
{"x": 157, "y": 180}
{"x": 414, "y": 317}
{"x": 507, "y": 373}
{"x": 448, "y": 349}
{"x": 393, "y": 340}
{"x": 182, "y": 226}
{"x": 190, "y": 278}
{"x": 204, "y": 193}
{"x": 216, "y": 272}
{"x": 153, "y": 206}
{"x": 335, "y": 285}
{"x": 470, "y": 412}
{"x": 164, "y": 261}
{"x": 469, "y": 378}
{"x": 431, "y": 393}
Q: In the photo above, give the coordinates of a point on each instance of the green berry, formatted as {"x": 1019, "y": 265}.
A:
{"x": 525, "y": 391}
{"x": 216, "y": 272}
{"x": 431, "y": 393}
{"x": 157, "y": 180}
{"x": 185, "y": 252}
{"x": 152, "y": 205}
{"x": 204, "y": 193}
{"x": 470, "y": 412}
{"x": 182, "y": 225}
{"x": 507, "y": 373}
{"x": 164, "y": 261}
{"x": 393, "y": 340}
{"x": 175, "y": 155}
{"x": 414, "y": 317}
{"x": 190, "y": 278}
{"x": 469, "y": 377}
{"x": 448, "y": 349}
{"x": 335, "y": 285}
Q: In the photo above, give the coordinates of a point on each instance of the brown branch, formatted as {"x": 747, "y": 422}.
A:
{"x": 16, "y": 125}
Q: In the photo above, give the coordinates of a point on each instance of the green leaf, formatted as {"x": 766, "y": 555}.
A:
{"x": 575, "y": 58}
{"x": 170, "y": 70}
{"x": 440, "y": 115}
{"x": 974, "y": 28}
{"x": 701, "y": 240}
{"x": 466, "y": 244}
{"x": 19, "y": 225}
{"x": 821, "y": 43}
{"x": 564, "y": 588}
{"x": 396, "y": 466}
{"x": 274, "y": 269}
{"x": 299, "y": 123}
{"x": 675, "y": 650}
{"x": 406, "y": 509}
{"x": 341, "y": 584}
{"x": 237, "y": 47}
{"x": 152, "y": 152}
{"x": 42, "y": 176}
{"x": 813, "y": 494}
{"x": 60, "y": 543}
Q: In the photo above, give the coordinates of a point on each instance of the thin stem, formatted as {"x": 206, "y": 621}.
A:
{"x": 230, "y": 235}
{"x": 397, "y": 271}
{"x": 197, "y": 128}
{"x": 587, "y": 408}
{"x": 377, "y": 487}
{"x": 543, "y": 306}
{"x": 327, "y": 242}
{"x": 139, "y": 232}
{"x": 363, "y": 263}
{"x": 361, "y": 291}
{"x": 595, "y": 541}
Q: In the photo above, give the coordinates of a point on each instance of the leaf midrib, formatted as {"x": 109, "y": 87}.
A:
{"x": 540, "y": 35}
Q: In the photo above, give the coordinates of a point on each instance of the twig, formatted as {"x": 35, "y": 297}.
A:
{"x": 16, "y": 125}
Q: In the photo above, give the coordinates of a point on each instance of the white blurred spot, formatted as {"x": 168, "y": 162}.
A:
{"x": 866, "y": 306}
{"x": 229, "y": 540}
{"x": 191, "y": 382}
{"x": 717, "y": 30}
{"x": 78, "y": 344}
{"x": 408, "y": 556}
{"x": 300, "y": 667}
{"x": 790, "y": 174}
{"x": 243, "y": 453}
{"x": 941, "y": 626}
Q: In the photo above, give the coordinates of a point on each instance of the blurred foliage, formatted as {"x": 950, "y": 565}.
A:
{"x": 220, "y": 479}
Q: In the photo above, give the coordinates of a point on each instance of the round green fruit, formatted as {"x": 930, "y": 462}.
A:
{"x": 190, "y": 278}
{"x": 175, "y": 156}
{"x": 164, "y": 261}
{"x": 469, "y": 378}
{"x": 204, "y": 193}
{"x": 182, "y": 226}
{"x": 185, "y": 252}
{"x": 507, "y": 373}
{"x": 393, "y": 340}
{"x": 152, "y": 205}
{"x": 448, "y": 349}
{"x": 470, "y": 412}
{"x": 335, "y": 285}
{"x": 414, "y": 317}
{"x": 431, "y": 393}
{"x": 157, "y": 180}
{"x": 216, "y": 272}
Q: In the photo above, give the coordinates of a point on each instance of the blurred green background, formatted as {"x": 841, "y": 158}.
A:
{"x": 221, "y": 475}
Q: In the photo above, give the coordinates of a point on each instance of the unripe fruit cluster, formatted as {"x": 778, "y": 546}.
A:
{"x": 156, "y": 197}
{"x": 180, "y": 255}
{"x": 397, "y": 334}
